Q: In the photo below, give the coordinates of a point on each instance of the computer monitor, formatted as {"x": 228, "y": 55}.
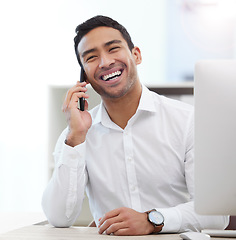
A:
{"x": 215, "y": 137}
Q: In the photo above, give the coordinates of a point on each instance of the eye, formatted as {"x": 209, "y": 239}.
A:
{"x": 114, "y": 49}
{"x": 90, "y": 58}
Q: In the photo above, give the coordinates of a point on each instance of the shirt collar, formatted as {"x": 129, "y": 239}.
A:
{"x": 147, "y": 101}
{"x": 146, "y": 104}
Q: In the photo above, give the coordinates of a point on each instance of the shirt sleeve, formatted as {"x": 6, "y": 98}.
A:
{"x": 183, "y": 217}
{"x": 63, "y": 197}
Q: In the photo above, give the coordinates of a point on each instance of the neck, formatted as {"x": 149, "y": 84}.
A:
{"x": 120, "y": 110}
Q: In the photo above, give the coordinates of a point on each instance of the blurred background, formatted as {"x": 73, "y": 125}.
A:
{"x": 36, "y": 53}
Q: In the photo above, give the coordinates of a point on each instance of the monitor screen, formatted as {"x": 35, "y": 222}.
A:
{"x": 215, "y": 137}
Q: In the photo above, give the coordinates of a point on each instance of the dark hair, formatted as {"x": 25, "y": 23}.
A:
{"x": 99, "y": 21}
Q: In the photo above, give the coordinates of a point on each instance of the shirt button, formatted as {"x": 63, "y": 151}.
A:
{"x": 132, "y": 188}
{"x": 130, "y": 159}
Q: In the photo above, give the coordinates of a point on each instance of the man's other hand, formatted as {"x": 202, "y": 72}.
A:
{"x": 125, "y": 221}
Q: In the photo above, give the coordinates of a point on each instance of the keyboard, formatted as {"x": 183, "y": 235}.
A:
{"x": 220, "y": 233}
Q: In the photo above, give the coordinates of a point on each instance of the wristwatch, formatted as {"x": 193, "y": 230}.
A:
{"x": 156, "y": 219}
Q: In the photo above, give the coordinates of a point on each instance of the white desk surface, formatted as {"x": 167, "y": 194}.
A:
{"x": 39, "y": 232}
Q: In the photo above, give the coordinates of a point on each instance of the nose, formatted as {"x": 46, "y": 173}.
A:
{"x": 106, "y": 60}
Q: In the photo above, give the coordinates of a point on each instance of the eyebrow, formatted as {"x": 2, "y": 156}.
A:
{"x": 106, "y": 45}
{"x": 88, "y": 51}
{"x": 111, "y": 42}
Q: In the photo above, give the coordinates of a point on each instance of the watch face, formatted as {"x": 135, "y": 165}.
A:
{"x": 156, "y": 217}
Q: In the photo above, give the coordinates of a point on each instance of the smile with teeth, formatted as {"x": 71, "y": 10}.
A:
{"x": 111, "y": 76}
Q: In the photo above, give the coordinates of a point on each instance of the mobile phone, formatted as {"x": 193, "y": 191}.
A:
{"x": 82, "y": 75}
{"x": 81, "y": 100}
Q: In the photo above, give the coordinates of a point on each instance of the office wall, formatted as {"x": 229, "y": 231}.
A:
{"x": 198, "y": 30}
{"x": 36, "y": 50}
{"x": 36, "y": 47}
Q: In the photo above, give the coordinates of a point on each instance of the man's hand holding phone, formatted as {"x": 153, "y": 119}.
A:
{"x": 79, "y": 121}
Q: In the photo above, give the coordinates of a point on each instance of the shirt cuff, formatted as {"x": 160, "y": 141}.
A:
{"x": 172, "y": 219}
{"x": 72, "y": 157}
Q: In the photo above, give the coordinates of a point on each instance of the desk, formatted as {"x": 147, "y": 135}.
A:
{"x": 13, "y": 220}
{"x": 39, "y": 232}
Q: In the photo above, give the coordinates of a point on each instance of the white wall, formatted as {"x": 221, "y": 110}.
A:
{"x": 198, "y": 29}
{"x": 36, "y": 50}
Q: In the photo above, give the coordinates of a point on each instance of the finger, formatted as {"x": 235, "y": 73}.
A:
{"x": 75, "y": 98}
{"x": 108, "y": 215}
{"x": 70, "y": 93}
{"x": 122, "y": 232}
{"x": 86, "y": 105}
{"x": 78, "y": 83}
{"x": 79, "y": 87}
{"x": 108, "y": 223}
{"x": 115, "y": 227}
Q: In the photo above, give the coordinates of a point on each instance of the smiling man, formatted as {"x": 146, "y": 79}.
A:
{"x": 111, "y": 69}
{"x": 132, "y": 154}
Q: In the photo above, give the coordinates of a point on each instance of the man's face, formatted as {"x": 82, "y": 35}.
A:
{"x": 109, "y": 64}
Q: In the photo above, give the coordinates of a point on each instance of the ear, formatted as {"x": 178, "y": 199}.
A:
{"x": 137, "y": 55}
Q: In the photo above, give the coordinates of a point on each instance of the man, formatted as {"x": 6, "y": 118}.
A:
{"x": 133, "y": 153}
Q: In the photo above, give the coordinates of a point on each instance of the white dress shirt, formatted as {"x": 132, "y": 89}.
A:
{"x": 147, "y": 165}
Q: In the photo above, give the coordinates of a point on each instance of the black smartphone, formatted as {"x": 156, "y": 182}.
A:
{"x": 81, "y": 100}
{"x": 82, "y": 75}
